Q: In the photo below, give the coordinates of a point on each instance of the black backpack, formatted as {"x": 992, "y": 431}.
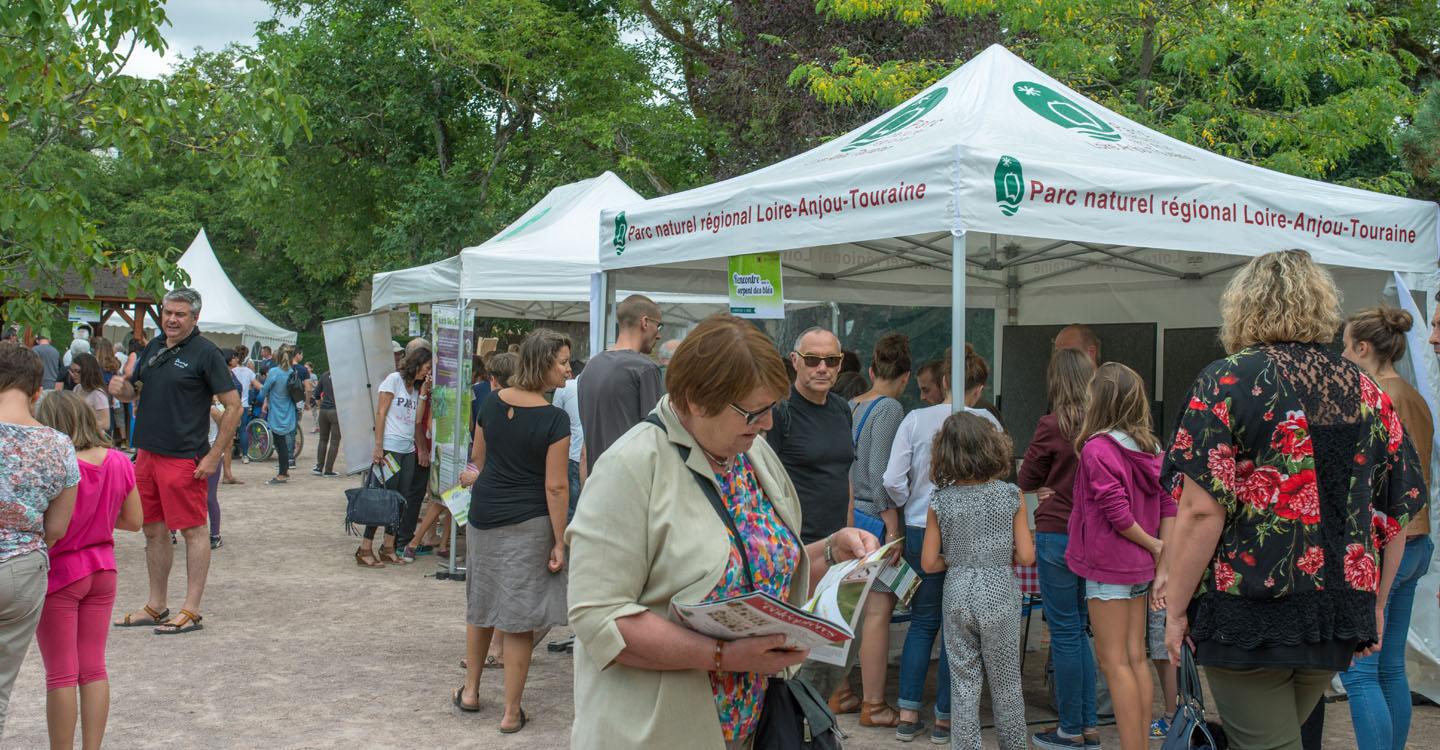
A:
{"x": 295, "y": 387}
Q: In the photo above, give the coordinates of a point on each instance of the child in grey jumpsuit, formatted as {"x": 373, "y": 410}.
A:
{"x": 977, "y": 529}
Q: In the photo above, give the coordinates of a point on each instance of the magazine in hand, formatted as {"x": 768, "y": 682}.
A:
{"x": 387, "y": 468}
{"x": 825, "y": 624}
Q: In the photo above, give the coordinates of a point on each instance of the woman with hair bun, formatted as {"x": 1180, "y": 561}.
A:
{"x": 1379, "y": 692}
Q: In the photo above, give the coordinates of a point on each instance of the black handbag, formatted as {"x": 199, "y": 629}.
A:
{"x": 372, "y": 504}
{"x": 1187, "y": 727}
{"x": 794, "y": 716}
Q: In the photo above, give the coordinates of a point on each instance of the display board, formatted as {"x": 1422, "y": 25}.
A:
{"x": 451, "y": 327}
{"x": 360, "y": 354}
{"x": 1187, "y": 352}
{"x": 1025, "y": 351}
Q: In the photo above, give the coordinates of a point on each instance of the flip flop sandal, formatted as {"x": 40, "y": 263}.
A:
{"x": 132, "y": 621}
{"x": 185, "y": 622}
{"x": 460, "y": 704}
{"x": 491, "y": 661}
{"x": 514, "y": 729}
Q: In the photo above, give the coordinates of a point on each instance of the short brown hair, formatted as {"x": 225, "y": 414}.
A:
{"x": 631, "y": 309}
{"x": 20, "y": 369}
{"x": 67, "y": 412}
{"x": 934, "y": 368}
{"x": 1384, "y": 329}
{"x": 1117, "y": 400}
{"x": 538, "y": 353}
{"x": 968, "y": 449}
{"x": 1281, "y": 297}
{"x": 502, "y": 367}
{"x": 891, "y": 357}
{"x": 721, "y": 362}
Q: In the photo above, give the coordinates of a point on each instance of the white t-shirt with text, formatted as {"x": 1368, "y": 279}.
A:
{"x": 400, "y": 419}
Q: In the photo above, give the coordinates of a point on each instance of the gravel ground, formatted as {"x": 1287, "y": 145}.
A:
{"x": 303, "y": 649}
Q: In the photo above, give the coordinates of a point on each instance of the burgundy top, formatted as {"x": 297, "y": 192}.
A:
{"x": 1050, "y": 461}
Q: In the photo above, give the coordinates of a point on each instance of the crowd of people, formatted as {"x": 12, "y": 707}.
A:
{"x": 1277, "y": 529}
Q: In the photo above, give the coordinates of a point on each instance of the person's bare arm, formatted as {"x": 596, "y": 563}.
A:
{"x": 131, "y": 515}
{"x": 1196, "y": 532}
{"x": 655, "y": 643}
{"x": 1024, "y": 541}
{"x": 477, "y": 458}
{"x": 557, "y": 497}
{"x": 229, "y": 422}
{"x": 931, "y": 558}
{"x": 383, "y": 409}
{"x": 121, "y": 389}
{"x": 57, "y": 516}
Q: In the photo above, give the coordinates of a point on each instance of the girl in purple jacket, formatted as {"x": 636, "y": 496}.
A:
{"x": 1119, "y": 509}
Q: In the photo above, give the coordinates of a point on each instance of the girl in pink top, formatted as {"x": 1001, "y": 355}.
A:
{"x": 76, "y": 618}
{"x": 1116, "y": 525}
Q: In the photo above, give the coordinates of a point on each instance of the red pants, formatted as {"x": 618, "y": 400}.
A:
{"x": 73, "y": 629}
{"x": 169, "y": 491}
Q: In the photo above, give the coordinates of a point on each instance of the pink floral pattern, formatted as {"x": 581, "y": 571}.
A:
{"x": 36, "y": 464}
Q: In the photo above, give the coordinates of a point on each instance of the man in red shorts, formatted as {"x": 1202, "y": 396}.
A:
{"x": 179, "y": 373}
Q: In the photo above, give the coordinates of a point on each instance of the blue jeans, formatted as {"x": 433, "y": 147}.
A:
{"x": 926, "y": 614}
{"x": 1062, "y": 594}
{"x": 1379, "y": 693}
{"x": 243, "y": 438}
{"x": 572, "y": 474}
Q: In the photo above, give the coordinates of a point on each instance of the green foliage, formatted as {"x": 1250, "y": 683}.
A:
{"x": 1309, "y": 87}
{"x": 67, "y": 109}
{"x": 1420, "y": 145}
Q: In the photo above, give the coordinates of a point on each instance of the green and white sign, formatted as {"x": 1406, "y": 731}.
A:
{"x": 899, "y": 119}
{"x": 1057, "y": 108}
{"x": 84, "y": 311}
{"x": 1009, "y": 185}
{"x": 755, "y": 286}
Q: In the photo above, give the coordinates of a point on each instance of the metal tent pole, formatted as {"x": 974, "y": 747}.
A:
{"x": 957, "y": 319}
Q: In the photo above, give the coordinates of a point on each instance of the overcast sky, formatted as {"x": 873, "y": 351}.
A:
{"x": 207, "y": 24}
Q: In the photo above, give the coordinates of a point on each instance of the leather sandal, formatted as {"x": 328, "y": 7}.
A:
{"x": 878, "y": 714}
{"x": 136, "y": 620}
{"x": 387, "y": 555}
{"x": 184, "y": 622}
{"x": 844, "y": 703}
{"x": 366, "y": 559}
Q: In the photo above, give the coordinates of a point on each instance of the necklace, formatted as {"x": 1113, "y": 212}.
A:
{"x": 723, "y": 463}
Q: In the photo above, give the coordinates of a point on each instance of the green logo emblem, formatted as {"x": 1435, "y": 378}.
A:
{"x": 621, "y": 228}
{"x": 902, "y": 118}
{"x": 1044, "y": 101}
{"x": 1009, "y": 185}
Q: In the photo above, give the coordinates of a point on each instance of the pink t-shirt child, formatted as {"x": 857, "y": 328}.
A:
{"x": 89, "y": 544}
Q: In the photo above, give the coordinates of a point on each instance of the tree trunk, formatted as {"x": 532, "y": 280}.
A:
{"x": 1147, "y": 60}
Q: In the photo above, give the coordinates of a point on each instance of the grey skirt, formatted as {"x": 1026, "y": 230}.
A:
{"x": 508, "y": 583}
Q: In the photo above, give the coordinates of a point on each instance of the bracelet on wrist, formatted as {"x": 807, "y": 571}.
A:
{"x": 719, "y": 653}
{"x": 830, "y": 550}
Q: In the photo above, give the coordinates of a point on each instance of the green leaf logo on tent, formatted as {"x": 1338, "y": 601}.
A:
{"x": 622, "y": 227}
{"x": 1046, "y": 102}
{"x": 1009, "y": 185}
{"x": 901, "y": 119}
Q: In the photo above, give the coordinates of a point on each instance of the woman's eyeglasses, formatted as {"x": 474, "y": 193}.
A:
{"x": 814, "y": 360}
{"x": 751, "y": 417}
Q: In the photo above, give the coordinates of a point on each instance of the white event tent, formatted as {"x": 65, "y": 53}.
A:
{"x": 540, "y": 267}
{"x": 226, "y": 318}
{"x": 999, "y": 187}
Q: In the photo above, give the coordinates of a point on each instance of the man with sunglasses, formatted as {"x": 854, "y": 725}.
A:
{"x": 621, "y": 386}
{"x": 812, "y": 436}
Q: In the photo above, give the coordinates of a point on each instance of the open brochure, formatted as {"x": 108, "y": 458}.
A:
{"x": 825, "y": 624}
{"x": 457, "y": 500}
{"x": 387, "y": 468}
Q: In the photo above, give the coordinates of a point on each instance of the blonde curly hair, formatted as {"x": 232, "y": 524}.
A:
{"x": 1279, "y": 297}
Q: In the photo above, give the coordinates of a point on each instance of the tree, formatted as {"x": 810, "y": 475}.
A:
{"x": 1309, "y": 87}
{"x": 67, "y": 107}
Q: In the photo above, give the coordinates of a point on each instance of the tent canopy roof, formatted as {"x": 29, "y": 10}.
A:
{"x": 223, "y": 309}
{"x": 1047, "y": 187}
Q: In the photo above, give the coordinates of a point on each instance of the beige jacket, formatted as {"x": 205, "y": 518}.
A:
{"x": 644, "y": 535}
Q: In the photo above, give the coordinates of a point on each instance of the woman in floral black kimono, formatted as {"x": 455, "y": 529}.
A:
{"x": 1294, "y": 480}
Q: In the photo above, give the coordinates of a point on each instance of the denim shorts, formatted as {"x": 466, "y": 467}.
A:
{"x": 1107, "y": 592}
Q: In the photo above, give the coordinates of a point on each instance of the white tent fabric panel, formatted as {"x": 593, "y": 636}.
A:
{"x": 999, "y": 150}
{"x": 223, "y": 309}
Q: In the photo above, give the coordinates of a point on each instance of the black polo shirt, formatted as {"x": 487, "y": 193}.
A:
{"x": 814, "y": 444}
{"x": 172, "y": 417}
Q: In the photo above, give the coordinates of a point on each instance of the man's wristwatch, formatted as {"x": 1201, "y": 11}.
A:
{"x": 830, "y": 550}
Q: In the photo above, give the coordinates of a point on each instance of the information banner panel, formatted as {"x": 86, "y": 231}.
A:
{"x": 450, "y": 396}
{"x": 756, "y": 289}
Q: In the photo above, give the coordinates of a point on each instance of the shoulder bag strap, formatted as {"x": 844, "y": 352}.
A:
{"x": 715, "y": 502}
{"x": 859, "y": 428}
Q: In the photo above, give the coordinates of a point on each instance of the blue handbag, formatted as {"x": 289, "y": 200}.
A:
{"x": 1187, "y": 728}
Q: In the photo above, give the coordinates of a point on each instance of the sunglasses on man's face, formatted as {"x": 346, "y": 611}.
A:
{"x": 751, "y": 417}
{"x": 814, "y": 360}
{"x": 659, "y": 325}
